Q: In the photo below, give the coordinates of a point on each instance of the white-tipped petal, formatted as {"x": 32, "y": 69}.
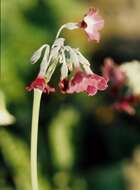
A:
{"x": 37, "y": 54}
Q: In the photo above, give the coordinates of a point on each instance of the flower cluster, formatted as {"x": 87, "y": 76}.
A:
{"x": 124, "y": 84}
{"x": 76, "y": 74}
{"x": 83, "y": 82}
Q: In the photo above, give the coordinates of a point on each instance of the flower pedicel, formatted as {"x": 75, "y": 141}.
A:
{"x": 76, "y": 74}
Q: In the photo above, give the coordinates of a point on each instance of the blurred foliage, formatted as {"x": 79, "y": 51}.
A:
{"x": 83, "y": 143}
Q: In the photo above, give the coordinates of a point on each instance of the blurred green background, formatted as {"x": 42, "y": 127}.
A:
{"x": 83, "y": 144}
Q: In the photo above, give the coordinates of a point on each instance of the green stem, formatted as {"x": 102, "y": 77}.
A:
{"x": 59, "y": 31}
{"x": 70, "y": 26}
{"x": 34, "y": 136}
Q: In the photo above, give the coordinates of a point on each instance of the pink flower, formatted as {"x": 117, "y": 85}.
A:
{"x": 127, "y": 104}
{"x": 124, "y": 106}
{"x": 124, "y": 99}
{"x": 83, "y": 82}
{"x": 92, "y": 23}
{"x": 40, "y": 84}
{"x": 112, "y": 72}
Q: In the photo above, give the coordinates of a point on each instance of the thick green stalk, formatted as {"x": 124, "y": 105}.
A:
{"x": 34, "y": 137}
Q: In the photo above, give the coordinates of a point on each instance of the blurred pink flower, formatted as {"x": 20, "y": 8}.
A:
{"x": 127, "y": 104}
{"x": 83, "y": 82}
{"x": 124, "y": 106}
{"x": 113, "y": 72}
{"x": 124, "y": 99}
{"x": 40, "y": 84}
{"x": 92, "y": 23}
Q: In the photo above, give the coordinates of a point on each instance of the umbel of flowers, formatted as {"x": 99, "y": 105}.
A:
{"x": 124, "y": 84}
{"x": 75, "y": 73}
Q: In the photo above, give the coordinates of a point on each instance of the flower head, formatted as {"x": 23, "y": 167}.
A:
{"x": 92, "y": 23}
{"x": 40, "y": 84}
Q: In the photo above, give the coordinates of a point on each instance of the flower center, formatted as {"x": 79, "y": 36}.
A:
{"x": 83, "y": 24}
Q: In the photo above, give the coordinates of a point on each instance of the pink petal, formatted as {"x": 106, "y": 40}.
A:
{"x": 91, "y": 90}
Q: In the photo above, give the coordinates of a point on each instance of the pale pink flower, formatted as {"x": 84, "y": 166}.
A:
{"x": 83, "y": 82}
{"x": 92, "y": 23}
{"x": 39, "y": 83}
